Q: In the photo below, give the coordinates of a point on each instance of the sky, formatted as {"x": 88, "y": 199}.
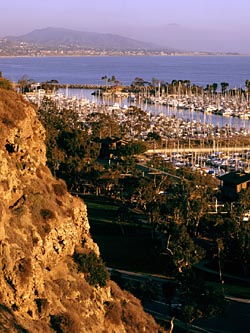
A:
{"x": 192, "y": 25}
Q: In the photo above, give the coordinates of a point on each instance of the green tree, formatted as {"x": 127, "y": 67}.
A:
{"x": 131, "y": 149}
{"x": 137, "y": 122}
{"x": 224, "y": 86}
{"x": 247, "y": 84}
{"x": 199, "y": 299}
{"x": 68, "y": 143}
{"x": 51, "y": 85}
{"x": 93, "y": 267}
{"x": 113, "y": 80}
{"x": 5, "y": 84}
{"x": 155, "y": 137}
{"x": 209, "y": 89}
{"x": 24, "y": 83}
{"x": 138, "y": 82}
{"x": 181, "y": 248}
{"x": 105, "y": 78}
{"x": 103, "y": 125}
{"x": 242, "y": 231}
{"x": 215, "y": 86}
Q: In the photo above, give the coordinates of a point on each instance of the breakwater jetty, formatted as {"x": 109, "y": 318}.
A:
{"x": 80, "y": 86}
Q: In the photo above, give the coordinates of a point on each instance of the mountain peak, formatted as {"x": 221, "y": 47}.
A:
{"x": 61, "y": 36}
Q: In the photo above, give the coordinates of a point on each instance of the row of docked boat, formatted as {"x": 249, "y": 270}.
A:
{"x": 224, "y": 106}
{"x": 214, "y": 163}
{"x": 168, "y": 127}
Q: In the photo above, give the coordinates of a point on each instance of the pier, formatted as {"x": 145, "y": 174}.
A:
{"x": 204, "y": 150}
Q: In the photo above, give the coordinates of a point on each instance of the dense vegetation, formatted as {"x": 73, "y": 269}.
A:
{"x": 178, "y": 204}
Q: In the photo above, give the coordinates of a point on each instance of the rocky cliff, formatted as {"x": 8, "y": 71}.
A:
{"x": 43, "y": 229}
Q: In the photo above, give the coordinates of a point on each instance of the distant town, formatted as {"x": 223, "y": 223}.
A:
{"x": 24, "y": 49}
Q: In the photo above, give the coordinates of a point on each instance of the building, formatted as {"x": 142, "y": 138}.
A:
{"x": 233, "y": 182}
{"x": 109, "y": 145}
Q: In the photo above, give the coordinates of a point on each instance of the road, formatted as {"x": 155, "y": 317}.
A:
{"x": 236, "y": 318}
{"x": 153, "y": 171}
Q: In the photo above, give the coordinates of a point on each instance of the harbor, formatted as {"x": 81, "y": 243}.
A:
{"x": 188, "y": 137}
{"x": 188, "y": 108}
{"x": 206, "y": 116}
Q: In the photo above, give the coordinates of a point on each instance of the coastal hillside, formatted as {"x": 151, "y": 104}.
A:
{"x": 52, "y": 278}
{"x": 58, "y": 37}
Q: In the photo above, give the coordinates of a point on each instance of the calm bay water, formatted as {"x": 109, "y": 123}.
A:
{"x": 200, "y": 70}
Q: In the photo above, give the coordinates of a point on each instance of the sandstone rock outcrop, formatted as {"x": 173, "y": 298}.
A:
{"x": 41, "y": 228}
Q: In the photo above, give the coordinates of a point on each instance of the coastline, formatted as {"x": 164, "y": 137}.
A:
{"x": 125, "y": 55}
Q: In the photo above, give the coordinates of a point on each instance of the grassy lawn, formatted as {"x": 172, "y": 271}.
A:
{"x": 241, "y": 291}
{"x": 122, "y": 245}
{"x": 129, "y": 247}
{"x": 101, "y": 209}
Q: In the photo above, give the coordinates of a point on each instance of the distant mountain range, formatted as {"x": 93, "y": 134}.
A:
{"x": 59, "y": 37}
{"x": 66, "y": 42}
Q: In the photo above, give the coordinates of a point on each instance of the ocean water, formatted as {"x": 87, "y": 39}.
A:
{"x": 200, "y": 70}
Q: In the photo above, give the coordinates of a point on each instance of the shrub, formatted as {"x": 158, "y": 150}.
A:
{"x": 47, "y": 214}
{"x": 12, "y": 108}
{"x": 25, "y": 269}
{"x": 42, "y": 304}
{"x": 5, "y": 84}
{"x": 93, "y": 267}
{"x": 113, "y": 312}
{"x": 65, "y": 323}
{"x": 60, "y": 189}
{"x": 59, "y": 202}
{"x": 6, "y": 120}
{"x": 42, "y": 172}
{"x": 5, "y": 185}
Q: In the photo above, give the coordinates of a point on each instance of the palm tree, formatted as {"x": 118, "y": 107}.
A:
{"x": 224, "y": 86}
{"x": 174, "y": 86}
{"x": 112, "y": 79}
{"x": 105, "y": 78}
{"x": 209, "y": 89}
{"x": 187, "y": 84}
{"x": 247, "y": 85}
{"x": 215, "y": 86}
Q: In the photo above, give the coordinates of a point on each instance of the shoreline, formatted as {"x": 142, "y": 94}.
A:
{"x": 126, "y": 55}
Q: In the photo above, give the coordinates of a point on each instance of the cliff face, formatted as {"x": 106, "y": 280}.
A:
{"x": 41, "y": 228}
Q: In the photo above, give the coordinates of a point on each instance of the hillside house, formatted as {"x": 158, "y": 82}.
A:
{"x": 109, "y": 145}
{"x": 233, "y": 182}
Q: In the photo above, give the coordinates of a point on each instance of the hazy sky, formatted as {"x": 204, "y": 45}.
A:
{"x": 209, "y": 25}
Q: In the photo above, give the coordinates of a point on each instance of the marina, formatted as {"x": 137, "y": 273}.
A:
{"x": 179, "y": 129}
{"x": 186, "y": 108}
{"x": 220, "y": 123}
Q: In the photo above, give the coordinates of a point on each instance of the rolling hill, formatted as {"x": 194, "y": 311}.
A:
{"x": 58, "y": 37}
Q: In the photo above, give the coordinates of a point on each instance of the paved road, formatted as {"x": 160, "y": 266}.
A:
{"x": 235, "y": 320}
{"x": 153, "y": 171}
